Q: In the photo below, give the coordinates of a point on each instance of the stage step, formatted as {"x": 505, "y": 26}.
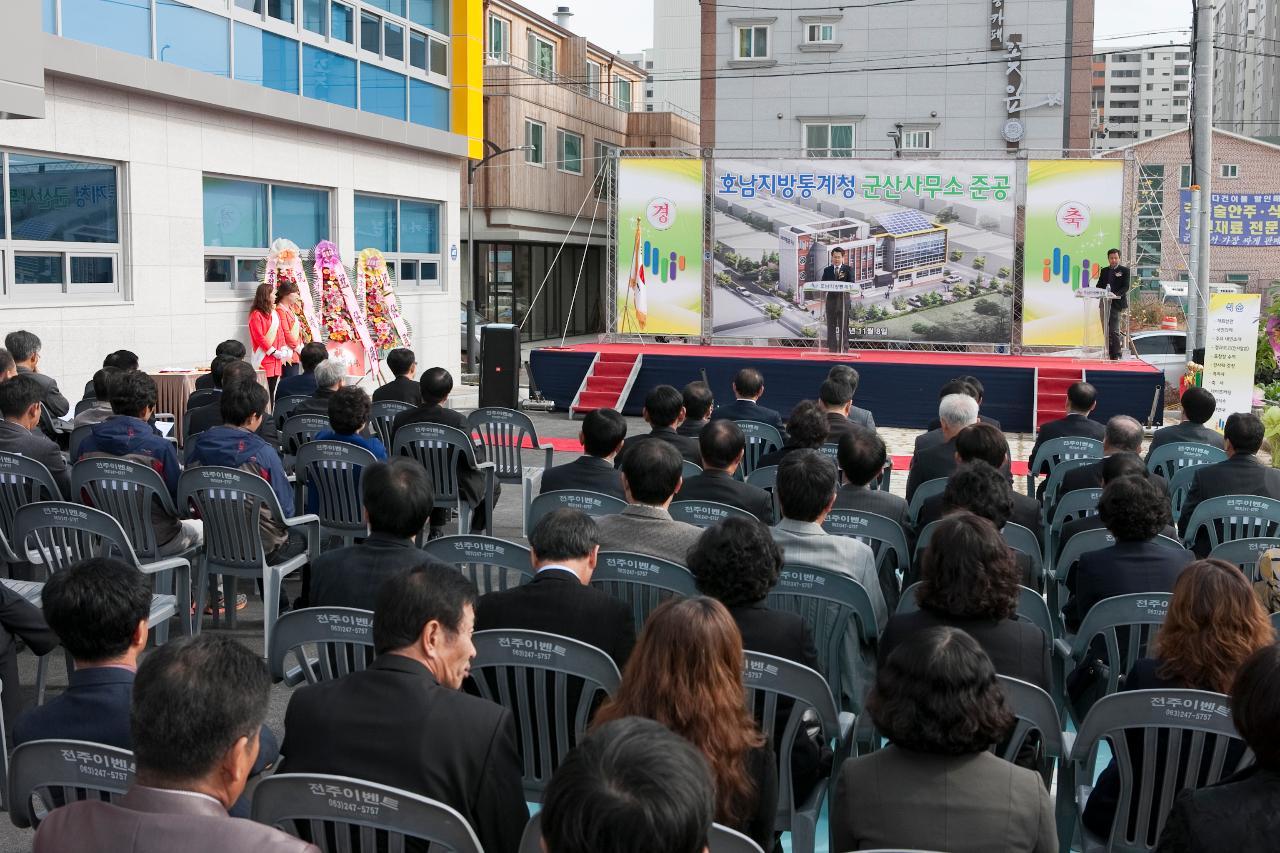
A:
{"x": 607, "y": 383}
{"x": 1051, "y": 391}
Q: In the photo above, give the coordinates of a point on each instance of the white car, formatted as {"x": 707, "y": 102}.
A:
{"x": 952, "y": 279}
{"x": 1165, "y": 349}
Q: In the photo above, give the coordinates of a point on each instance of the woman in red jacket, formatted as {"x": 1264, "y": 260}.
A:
{"x": 266, "y": 333}
{"x": 286, "y": 296}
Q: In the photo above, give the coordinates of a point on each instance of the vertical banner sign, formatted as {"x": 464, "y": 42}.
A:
{"x": 1072, "y": 219}
{"x": 1231, "y": 343}
{"x": 658, "y": 279}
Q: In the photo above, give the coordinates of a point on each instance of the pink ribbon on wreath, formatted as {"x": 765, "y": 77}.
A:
{"x": 309, "y": 316}
{"x": 326, "y": 254}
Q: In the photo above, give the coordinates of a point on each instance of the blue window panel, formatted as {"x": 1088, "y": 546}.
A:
{"x": 419, "y": 227}
{"x": 300, "y": 215}
{"x": 429, "y": 13}
{"x": 192, "y": 38}
{"x": 328, "y": 77}
{"x": 313, "y": 15}
{"x": 395, "y": 7}
{"x": 381, "y": 91}
{"x": 281, "y": 10}
{"x": 341, "y": 23}
{"x": 235, "y": 213}
{"x": 117, "y": 24}
{"x": 62, "y": 200}
{"x": 49, "y": 15}
{"x": 266, "y": 59}
{"x": 375, "y": 223}
{"x": 428, "y": 104}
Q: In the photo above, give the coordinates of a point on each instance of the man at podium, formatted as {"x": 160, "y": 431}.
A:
{"x": 837, "y": 302}
{"x": 1115, "y": 278}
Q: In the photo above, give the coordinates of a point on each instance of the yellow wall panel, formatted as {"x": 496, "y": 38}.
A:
{"x": 468, "y": 74}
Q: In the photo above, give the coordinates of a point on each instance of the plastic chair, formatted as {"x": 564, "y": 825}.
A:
{"x": 641, "y": 581}
{"x": 1024, "y": 541}
{"x": 1167, "y": 459}
{"x": 331, "y": 471}
{"x": 1031, "y": 607}
{"x": 1232, "y": 517}
{"x": 22, "y": 481}
{"x": 362, "y": 817}
{"x": 440, "y": 449}
{"x": 78, "y": 435}
{"x": 284, "y": 407}
{"x": 768, "y": 680}
{"x": 84, "y": 405}
{"x": 837, "y": 610}
{"x": 882, "y": 481}
{"x": 341, "y": 636}
{"x": 232, "y": 504}
{"x": 767, "y": 478}
{"x": 300, "y": 429}
{"x": 883, "y": 535}
{"x": 1055, "y": 451}
{"x": 551, "y": 684}
{"x": 1245, "y": 553}
{"x": 382, "y": 415}
{"x": 690, "y": 469}
{"x": 57, "y": 772}
{"x": 203, "y": 397}
{"x": 721, "y": 840}
{"x": 503, "y": 433}
{"x": 923, "y": 492}
{"x": 1275, "y": 621}
{"x": 1126, "y": 625}
{"x": 1072, "y": 506}
{"x": 761, "y": 439}
{"x": 62, "y": 534}
{"x": 593, "y": 504}
{"x": 1053, "y": 486}
{"x": 923, "y": 538}
{"x": 131, "y": 493}
{"x": 492, "y": 564}
{"x": 705, "y": 513}
{"x": 1179, "y": 487}
{"x": 1188, "y": 731}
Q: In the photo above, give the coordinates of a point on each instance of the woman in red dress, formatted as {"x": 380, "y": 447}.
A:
{"x": 286, "y": 300}
{"x": 266, "y": 333}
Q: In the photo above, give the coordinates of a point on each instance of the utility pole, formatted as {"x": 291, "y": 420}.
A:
{"x": 1202, "y": 176}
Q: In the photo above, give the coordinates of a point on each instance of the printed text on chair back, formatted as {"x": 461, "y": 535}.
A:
{"x": 705, "y": 513}
{"x": 382, "y": 416}
{"x": 1167, "y": 459}
{"x": 129, "y": 492}
{"x": 1232, "y": 517}
{"x": 323, "y": 643}
{"x": 64, "y": 771}
{"x": 643, "y": 582}
{"x": 761, "y": 439}
{"x": 503, "y": 433}
{"x": 300, "y": 429}
{"x": 492, "y": 564}
{"x": 593, "y": 504}
{"x": 330, "y": 470}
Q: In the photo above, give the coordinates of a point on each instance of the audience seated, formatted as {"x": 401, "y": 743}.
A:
{"x": 8, "y": 369}
{"x": 197, "y": 711}
{"x": 686, "y": 673}
{"x": 978, "y": 488}
{"x": 437, "y": 384}
{"x": 404, "y": 722}
{"x": 956, "y": 411}
{"x": 963, "y": 385}
{"x": 970, "y": 581}
{"x": 328, "y": 375}
{"x": 603, "y": 431}
{"x": 201, "y": 418}
{"x": 846, "y": 374}
{"x": 651, "y": 475}
{"x": 984, "y": 443}
{"x": 1134, "y": 510}
{"x": 304, "y": 383}
{"x": 20, "y": 430}
{"x": 128, "y": 434}
{"x": 1238, "y": 815}
{"x": 807, "y": 429}
{"x": 663, "y": 411}
{"x": 1082, "y": 399}
{"x": 232, "y": 349}
{"x": 1198, "y": 405}
{"x": 935, "y": 786}
{"x": 748, "y": 388}
{"x": 722, "y": 446}
{"x": 1213, "y": 625}
{"x": 631, "y": 786}
{"x": 698, "y": 403}
{"x": 836, "y": 398}
{"x": 404, "y": 388}
{"x": 217, "y": 367}
{"x": 1241, "y": 474}
{"x": 1114, "y": 467}
{"x": 19, "y": 620}
{"x": 1122, "y": 434}
{"x": 121, "y": 359}
{"x": 25, "y": 349}
{"x": 862, "y": 456}
{"x": 101, "y": 409}
{"x": 348, "y": 416}
{"x": 559, "y": 599}
{"x": 397, "y": 502}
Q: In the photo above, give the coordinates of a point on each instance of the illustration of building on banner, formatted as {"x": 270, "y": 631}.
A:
{"x": 804, "y": 251}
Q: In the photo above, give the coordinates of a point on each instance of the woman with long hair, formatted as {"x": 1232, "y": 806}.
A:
{"x": 287, "y": 296}
{"x": 1214, "y": 623}
{"x": 270, "y": 349}
{"x": 686, "y": 673}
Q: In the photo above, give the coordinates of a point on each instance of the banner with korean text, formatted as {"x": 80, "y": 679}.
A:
{"x": 1231, "y": 343}
{"x": 1236, "y": 219}
{"x": 927, "y": 247}
{"x": 658, "y": 277}
{"x": 1072, "y": 219}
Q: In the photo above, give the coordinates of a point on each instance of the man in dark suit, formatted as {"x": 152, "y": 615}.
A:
{"x": 836, "y": 398}
{"x": 1114, "y": 467}
{"x": 955, "y": 412}
{"x": 559, "y": 599}
{"x": 231, "y": 349}
{"x": 204, "y": 418}
{"x": 861, "y": 455}
{"x": 1082, "y": 399}
{"x": 651, "y": 477}
{"x": 1198, "y": 405}
{"x": 603, "y": 431}
{"x": 723, "y": 444}
{"x": 404, "y": 722}
{"x": 1240, "y": 474}
{"x": 405, "y": 388}
{"x": 1115, "y": 278}
{"x": 664, "y": 411}
{"x": 437, "y": 384}
{"x": 397, "y": 504}
{"x": 748, "y": 388}
{"x": 20, "y": 404}
{"x": 121, "y": 360}
{"x": 25, "y": 349}
{"x": 850, "y": 377}
{"x": 698, "y": 403}
{"x": 303, "y": 384}
{"x": 1122, "y": 434}
{"x": 963, "y": 385}
{"x": 983, "y": 442}
{"x": 837, "y": 301}
{"x": 327, "y": 375}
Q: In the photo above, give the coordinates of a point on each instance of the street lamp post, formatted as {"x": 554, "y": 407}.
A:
{"x": 471, "y": 244}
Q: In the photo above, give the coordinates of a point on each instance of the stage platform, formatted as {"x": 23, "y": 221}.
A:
{"x": 900, "y": 387}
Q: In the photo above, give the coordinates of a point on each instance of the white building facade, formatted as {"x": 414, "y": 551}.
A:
{"x": 1246, "y": 68}
{"x": 676, "y": 55}
{"x": 1143, "y": 92}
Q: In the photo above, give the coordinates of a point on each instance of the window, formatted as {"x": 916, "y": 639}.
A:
{"x": 242, "y": 217}
{"x": 1151, "y": 72}
{"x": 535, "y": 133}
{"x": 266, "y": 59}
{"x": 417, "y": 50}
{"x": 753, "y": 42}
{"x": 595, "y": 78}
{"x": 393, "y": 41}
{"x": 819, "y": 33}
{"x": 439, "y": 57}
{"x": 430, "y": 13}
{"x": 828, "y": 140}
{"x": 499, "y": 38}
{"x": 542, "y": 56}
{"x": 1241, "y": 278}
{"x": 118, "y": 24}
{"x": 1184, "y": 178}
{"x": 370, "y": 33}
{"x": 407, "y": 231}
{"x": 622, "y": 93}
{"x": 605, "y": 167}
{"x": 382, "y": 91}
{"x": 193, "y": 38}
{"x": 1230, "y": 171}
{"x": 342, "y": 22}
{"x": 428, "y": 104}
{"x": 328, "y": 76}
{"x": 914, "y": 139}
{"x": 569, "y": 146}
{"x": 395, "y": 7}
{"x": 313, "y": 16}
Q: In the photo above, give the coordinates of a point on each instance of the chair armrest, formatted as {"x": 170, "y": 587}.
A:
{"x": 181, "y": 567}
{"x": 1061, "y": 648}
{"x": 311, "y": 524}
{"x": 481, "y": 466}
{"x": 549, "y": 450}
{"x": 165, "y": 565}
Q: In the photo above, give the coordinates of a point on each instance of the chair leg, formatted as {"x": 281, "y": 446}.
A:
{"x": 42, "y": 677}
{"x": 271, "y": 581}
{"x": 230, "y": 597}
{"x": 160, "y": 632}
{"x": 464, "y": 518}
{"x": 803, "y": 834}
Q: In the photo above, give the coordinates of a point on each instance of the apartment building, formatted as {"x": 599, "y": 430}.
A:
{"x": 1140, "y": 93}
{"x": 1246, "y": 68}
{"x": 153, "y": 149}
{"x": 643, "y": 59}
{"x": 541, "y": 214}
{"x": 677, "y": 57}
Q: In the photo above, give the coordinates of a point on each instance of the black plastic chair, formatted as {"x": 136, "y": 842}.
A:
{"x": 56, "y": 772}
{"x": 503, "y": 433}
{"x": 1055, "y": 451}
{"x": 440, "y": 449}
{"x": 705, "y": 513}
{"x": 203, "y": 397}
{"x": 492, "y": 564}
{"x": 1126, "y": 624}
{"x": 131, "y": 493}
{"x": 593, "y": 504}
{"x": 643, "y": 582}
{"x": 342, "y": 639}
{"x": 331, "y": 471}
{"x": 1167, "y": 459}
{"x": 381, "y": 417}
{"x": 299, "y": 430}
{"x": 283, "y": 408}
{"x": 22, "y": 481}
{"x": 761, "y": 439}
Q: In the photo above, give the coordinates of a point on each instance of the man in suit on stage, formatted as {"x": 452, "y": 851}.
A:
{"x": 837, "y": 301}
{"x": 603, "y": 431}
{"x": 748, "y": 388}
{"x": 1115, "y": 278}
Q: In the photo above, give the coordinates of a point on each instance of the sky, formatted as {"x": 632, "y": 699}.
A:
{"x": 1118, "y": 22}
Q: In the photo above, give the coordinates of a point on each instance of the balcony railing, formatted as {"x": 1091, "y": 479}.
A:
{"x": 583, "y": 87}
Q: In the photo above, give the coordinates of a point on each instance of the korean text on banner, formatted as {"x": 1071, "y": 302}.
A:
{"x": 1231, "y": 344}
{"x": 1236, "y": 219}
{"x": 658, "y": 277}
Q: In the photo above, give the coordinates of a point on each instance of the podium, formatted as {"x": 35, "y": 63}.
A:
{"x": 1103, "y": 297}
